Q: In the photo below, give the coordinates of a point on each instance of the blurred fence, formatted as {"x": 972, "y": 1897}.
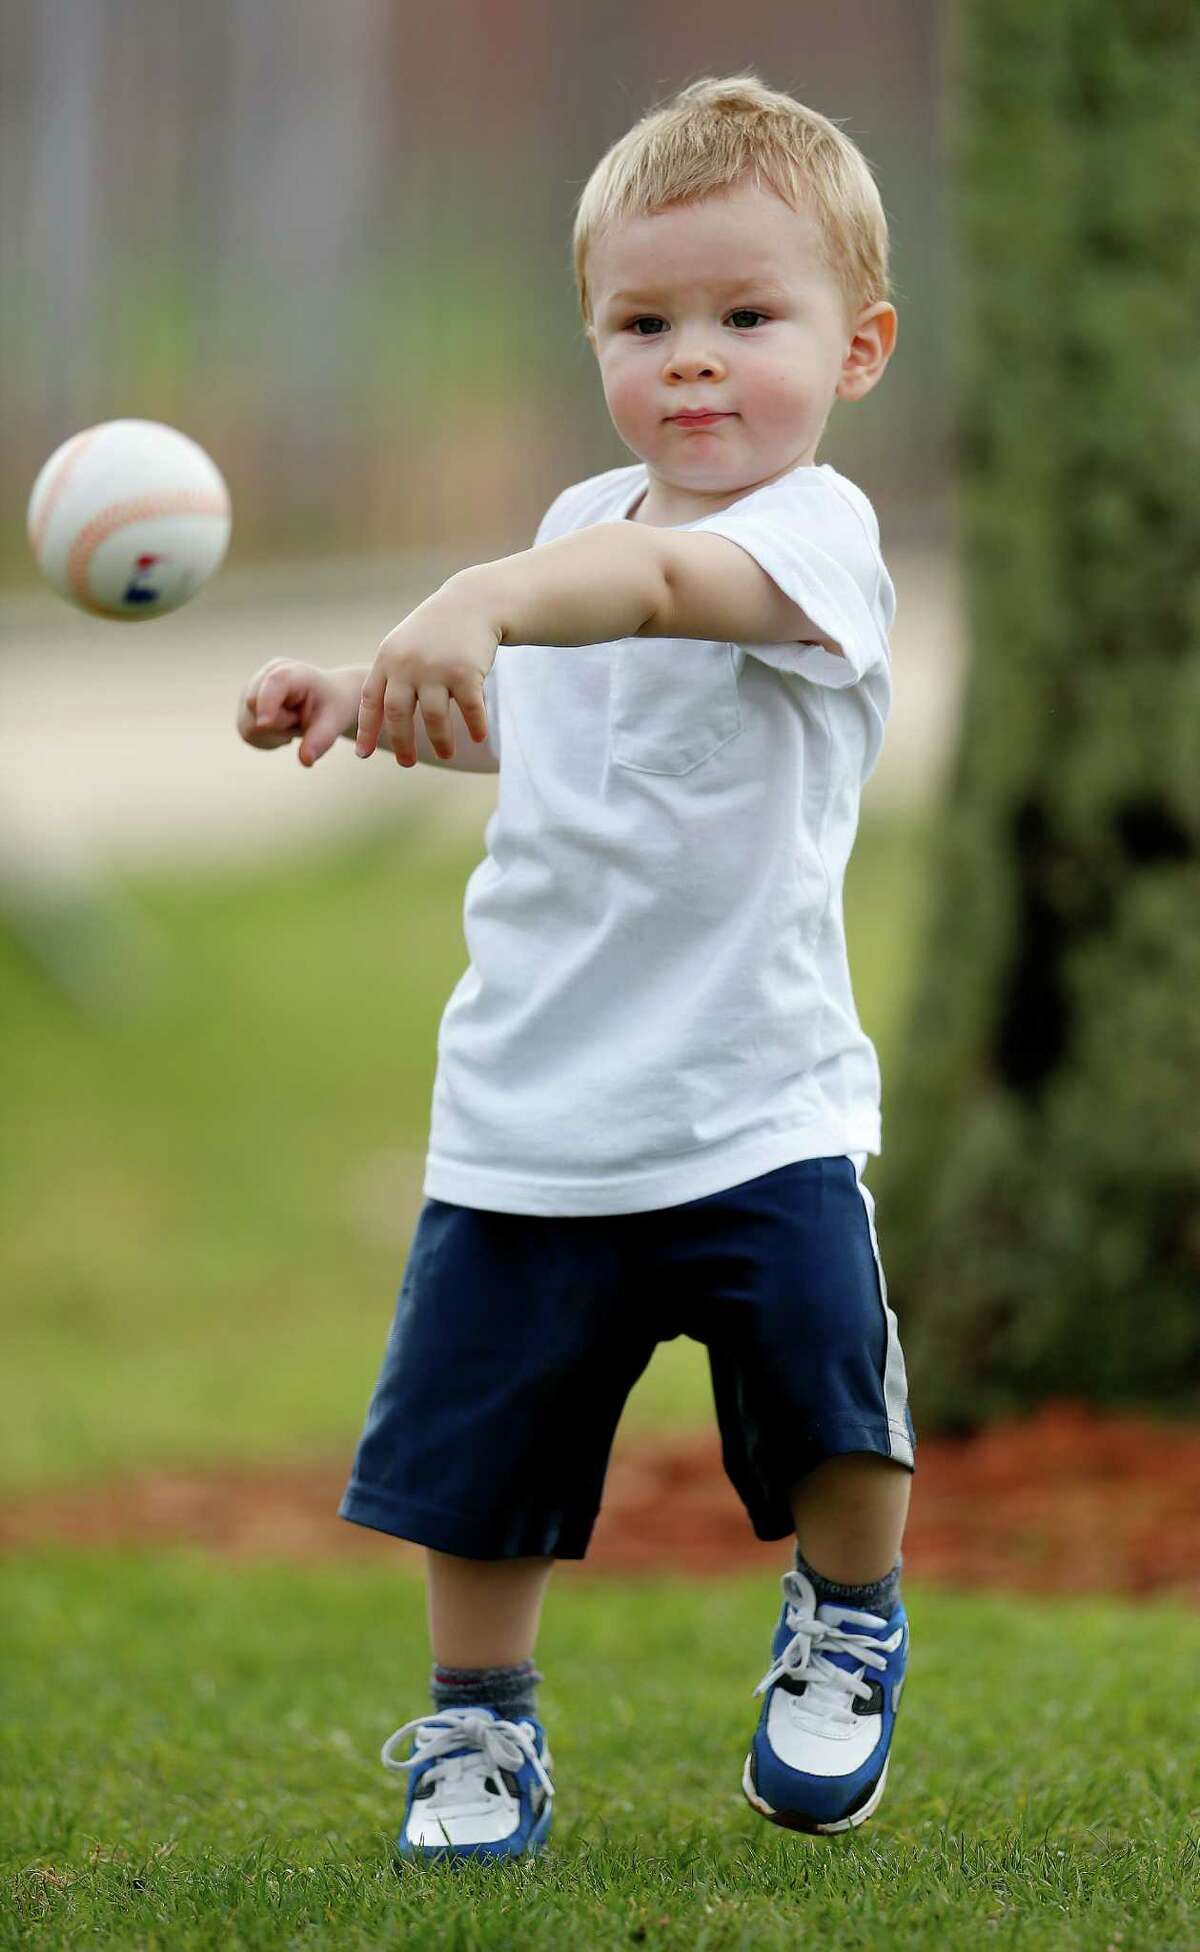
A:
{"x": 332, "y": 243}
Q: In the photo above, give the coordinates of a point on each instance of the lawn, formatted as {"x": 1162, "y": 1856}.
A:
{"x": 207, "y": 1197}
{"x": 190, "y": 1760}
{"x": 206, "y": 1203}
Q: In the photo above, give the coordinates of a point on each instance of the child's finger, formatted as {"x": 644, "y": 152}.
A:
{"x": 471, "y": 704}
{"x": 324, "y": 732}
{"x": 248, "y": 723}
{"x": 282, "y": 696}
{"x": 435, "y": 710}
{"x": 370, "y": 715}
{"x": 264, "y": 690}
{"x": 399, "y": 707}
{"x": 265, "y": 704}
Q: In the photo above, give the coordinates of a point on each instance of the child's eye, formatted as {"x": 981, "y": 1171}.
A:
{"x": 742, "y": 312}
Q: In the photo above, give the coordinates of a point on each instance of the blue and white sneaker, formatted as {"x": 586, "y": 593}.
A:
{"x": 819, "y": 1759}
{"x": 480, "y": 1785}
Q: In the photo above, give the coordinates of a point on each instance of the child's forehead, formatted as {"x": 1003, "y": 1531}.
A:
{"x": 717, "y": 240}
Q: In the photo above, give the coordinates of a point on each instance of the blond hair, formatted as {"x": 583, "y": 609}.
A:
{"x": 711, "y": 135}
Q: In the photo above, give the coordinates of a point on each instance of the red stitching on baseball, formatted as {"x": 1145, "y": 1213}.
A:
{"x": 185, "y": 501}
{"x": 76, "y": 449}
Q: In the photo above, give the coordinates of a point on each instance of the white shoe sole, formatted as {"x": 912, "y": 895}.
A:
{"x": 823, "y": 1829}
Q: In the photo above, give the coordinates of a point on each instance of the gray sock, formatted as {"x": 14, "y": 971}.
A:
{"x": 511, "y": 1691}
{"x": 879, "y": 1597}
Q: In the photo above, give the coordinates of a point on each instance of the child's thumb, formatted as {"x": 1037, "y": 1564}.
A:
{"x": 319, "y": 736}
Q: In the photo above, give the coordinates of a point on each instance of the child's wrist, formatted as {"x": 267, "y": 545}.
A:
{"x": 350, "y": 678}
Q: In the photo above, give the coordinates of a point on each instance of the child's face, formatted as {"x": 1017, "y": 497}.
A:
{"x": 729, "y": 307}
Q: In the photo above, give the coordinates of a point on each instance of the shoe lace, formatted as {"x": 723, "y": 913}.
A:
{"x": 490, "y": 1745}
{"x": 830, "y": 1690}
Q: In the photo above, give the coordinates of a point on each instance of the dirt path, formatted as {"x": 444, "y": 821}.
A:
{"x": 1067, "y": 1501}
{"x": 118, "y": 747}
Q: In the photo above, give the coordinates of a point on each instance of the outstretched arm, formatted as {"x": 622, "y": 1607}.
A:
{"x": 613, "y": 580}
{"x": 624, "y": 579}
{"x": 589, "y": 587}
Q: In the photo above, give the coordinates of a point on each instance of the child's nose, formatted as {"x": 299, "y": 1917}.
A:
{"x": 694, "y": 364}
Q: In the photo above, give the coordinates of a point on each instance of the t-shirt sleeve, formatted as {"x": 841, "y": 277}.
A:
{"x": 558, "y": 517}
{"x": 816, "y": 546}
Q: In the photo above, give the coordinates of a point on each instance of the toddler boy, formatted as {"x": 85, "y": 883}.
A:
{"x": 654, "y": 1102}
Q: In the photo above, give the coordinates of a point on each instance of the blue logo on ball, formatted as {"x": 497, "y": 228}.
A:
{"x": 139, "y": 590}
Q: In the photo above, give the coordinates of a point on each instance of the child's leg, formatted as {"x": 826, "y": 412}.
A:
{"x": 478, "y": 1771}
{"x": 516, "y": 1340}
{"x": 484, "y": 1613}
{"x": 483, "y": 1622}
{"x": 819, "y": 1757}
{"x": 850, "y": 1514}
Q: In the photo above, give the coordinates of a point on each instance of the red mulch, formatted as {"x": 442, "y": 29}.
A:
{"x": 1066, "y": 1501}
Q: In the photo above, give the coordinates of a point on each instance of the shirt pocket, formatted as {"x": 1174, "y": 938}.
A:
{"x": 672, "y": 704}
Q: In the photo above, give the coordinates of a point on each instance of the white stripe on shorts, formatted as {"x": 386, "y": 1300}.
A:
{"x": 895, "y": 1377}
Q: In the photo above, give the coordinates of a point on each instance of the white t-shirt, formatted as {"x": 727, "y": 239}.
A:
{"x": 658, "y": 1003}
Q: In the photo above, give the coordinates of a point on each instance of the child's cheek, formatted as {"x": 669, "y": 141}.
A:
{"x": 630, "y": 395}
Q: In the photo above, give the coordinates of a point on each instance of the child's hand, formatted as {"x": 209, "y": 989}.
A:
{"x": 444, "y": 649}
{"x": 285, "y": 699}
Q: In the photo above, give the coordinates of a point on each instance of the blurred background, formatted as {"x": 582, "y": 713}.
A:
{"x": 331, "y": 242}
{"x": 333, "y": 246}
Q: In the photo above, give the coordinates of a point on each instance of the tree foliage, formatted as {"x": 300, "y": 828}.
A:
{"x": 1041, "y": 1184}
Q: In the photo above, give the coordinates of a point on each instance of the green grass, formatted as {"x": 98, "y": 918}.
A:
{"x": 190, "y": 1759}
{"x": 197, "y": 1263}
{"x": 207, "y": 1197}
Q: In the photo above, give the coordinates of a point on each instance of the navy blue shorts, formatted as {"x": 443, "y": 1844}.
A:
{"x": 517, "y": 1338}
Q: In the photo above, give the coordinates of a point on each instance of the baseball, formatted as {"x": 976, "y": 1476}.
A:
{"x": 129, "y": 519}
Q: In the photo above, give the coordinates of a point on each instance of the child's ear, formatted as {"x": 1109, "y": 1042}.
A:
{"x": 871, "y": 346}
